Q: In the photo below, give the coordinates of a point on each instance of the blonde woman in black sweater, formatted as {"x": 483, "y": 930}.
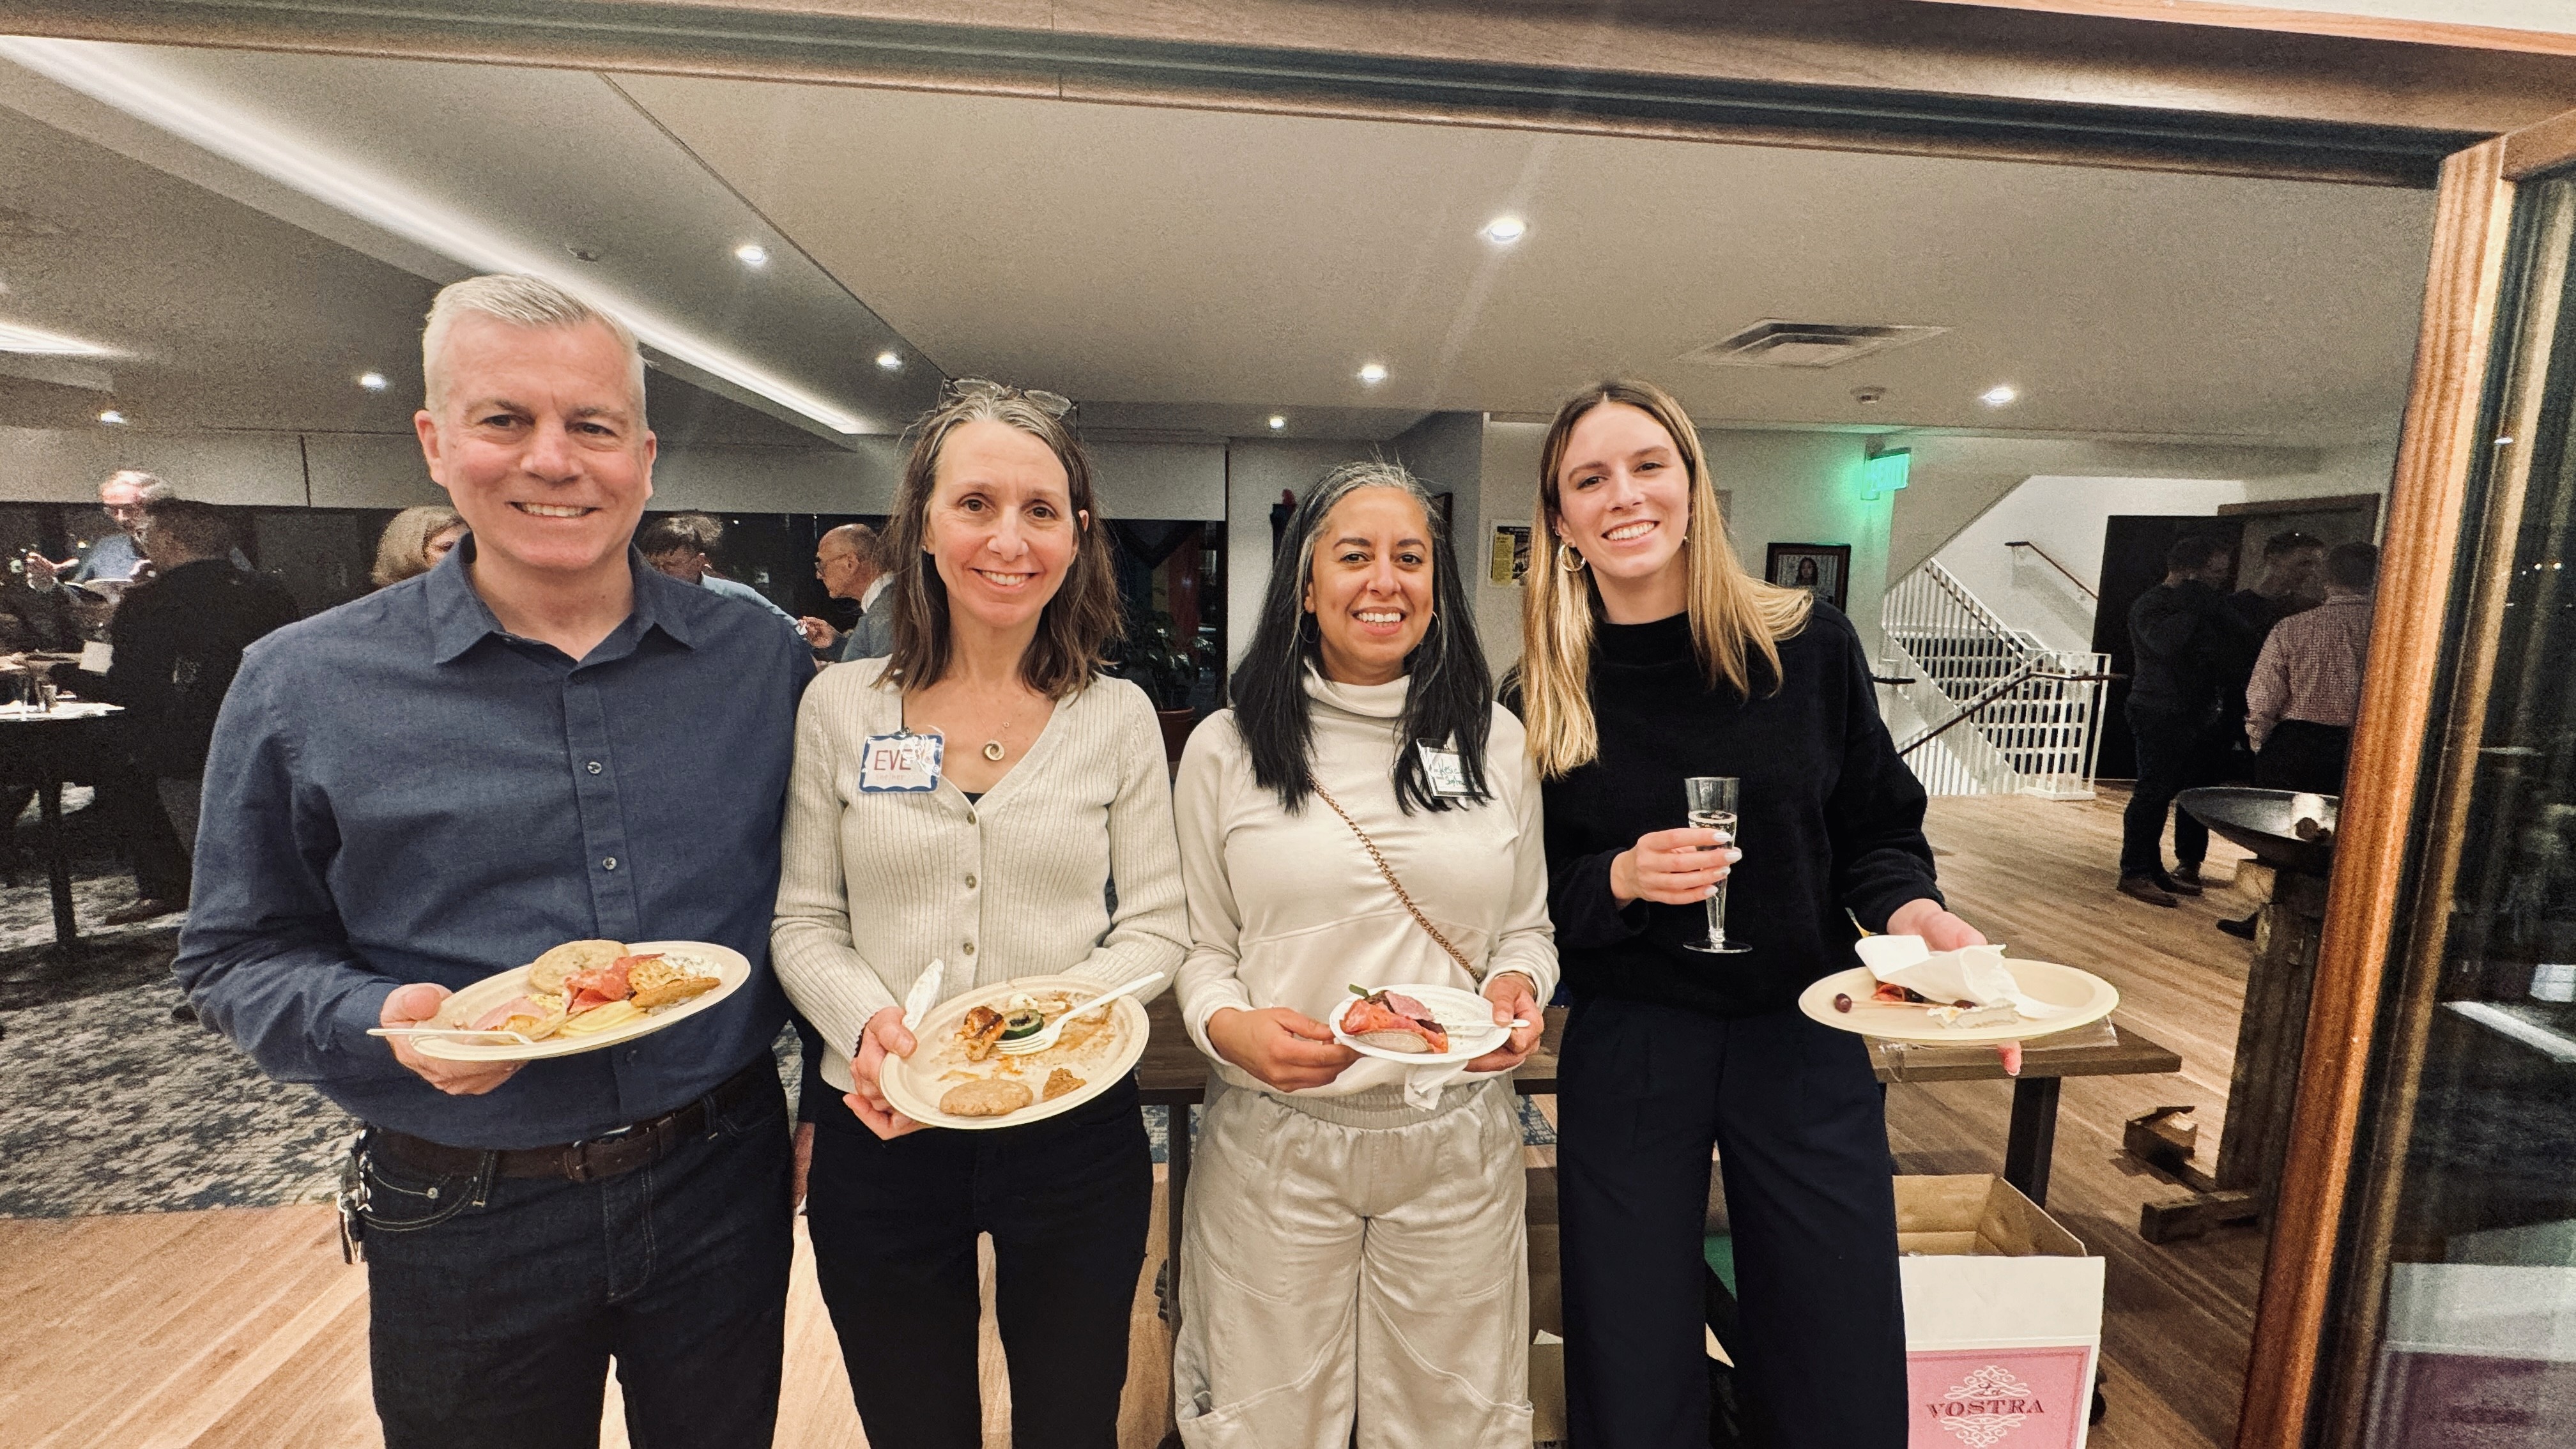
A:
{"x": 1650, "y": 655}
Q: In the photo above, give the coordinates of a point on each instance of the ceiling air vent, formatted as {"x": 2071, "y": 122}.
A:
{"x": 1774, "y": 343}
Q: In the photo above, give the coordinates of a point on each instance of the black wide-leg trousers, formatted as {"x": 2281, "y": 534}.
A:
{"x": 1800, "y": 1122}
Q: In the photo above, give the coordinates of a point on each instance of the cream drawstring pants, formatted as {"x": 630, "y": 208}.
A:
{"x": 1354, "y": 1256}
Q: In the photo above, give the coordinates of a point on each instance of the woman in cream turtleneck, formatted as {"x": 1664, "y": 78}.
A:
{"x": 1354, "y": 1248}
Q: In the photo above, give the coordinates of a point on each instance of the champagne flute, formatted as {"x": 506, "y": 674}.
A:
{"x": 1711, "y": 799}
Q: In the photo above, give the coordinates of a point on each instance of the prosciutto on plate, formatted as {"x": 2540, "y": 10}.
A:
{"x": 1395, "y": 1022}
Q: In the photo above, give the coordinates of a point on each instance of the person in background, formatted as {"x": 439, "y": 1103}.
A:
{"x": 1651, "y": 655}
{"x": 851, "y": 562}
{"x": 540, "y": 742}
{"x": 114, "y": 556}
{"x": 1355, "y": 1251}
{"x": 414, "y": 542}
{"x": 178, "y": 640}
{"x": 683, "y": 545}
{"x": 2293, "y": 565}
{"x": 2306, "y": 689}
{"x": 1052, "y": 784}
{"x": 2182, "y": 636}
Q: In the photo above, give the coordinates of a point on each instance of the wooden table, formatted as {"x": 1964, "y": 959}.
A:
{"x": 1172, "y": 1072}
{"x": 43, "y": 750}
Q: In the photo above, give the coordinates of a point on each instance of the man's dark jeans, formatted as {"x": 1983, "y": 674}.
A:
{"x": 2175, "y": 753}
{"x": 496, "y": 1303}
{"x": 2304, "y": 755}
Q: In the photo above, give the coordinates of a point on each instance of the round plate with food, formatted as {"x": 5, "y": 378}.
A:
{"x": 1850, "y": 1001}
{"x": 582, "y": 996}
{"x": 1418, "y": 1025}
{"x": 957, "y": 1075}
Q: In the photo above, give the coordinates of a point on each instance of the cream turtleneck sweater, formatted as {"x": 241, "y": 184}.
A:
{"x": 1286, "y": 910}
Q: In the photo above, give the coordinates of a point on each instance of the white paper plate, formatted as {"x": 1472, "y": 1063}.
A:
{"x": 2087, "y": 999}
{"x": 1467, "y": 1017}
{"x": 915, "y": 1093}
{"x": 724, "y": 963}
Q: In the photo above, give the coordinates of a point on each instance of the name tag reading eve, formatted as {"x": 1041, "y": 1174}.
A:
{"x": 900, "y": 761}
{"x": 1448, "y": 777}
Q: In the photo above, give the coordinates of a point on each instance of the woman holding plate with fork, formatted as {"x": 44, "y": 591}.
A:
{"x": 992, "y": 854}
{"x": 1652, "y": 659}
{"x": 1364, "y": 818}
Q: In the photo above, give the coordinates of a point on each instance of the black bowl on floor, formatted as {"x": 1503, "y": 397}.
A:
{"x": 2269, "y": 823}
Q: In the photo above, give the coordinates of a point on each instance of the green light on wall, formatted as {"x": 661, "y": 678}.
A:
{"x": 1885, "y": 473}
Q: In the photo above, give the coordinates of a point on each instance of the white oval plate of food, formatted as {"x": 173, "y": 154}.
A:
{"x": 1460, "y": 1028}
{"x": 582, "y": 996}
{"x": 2081, "y": 998}
{"x": 956, "y": 1076}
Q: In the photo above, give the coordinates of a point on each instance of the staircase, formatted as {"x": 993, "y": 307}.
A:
{"x": 1986, "y": 709}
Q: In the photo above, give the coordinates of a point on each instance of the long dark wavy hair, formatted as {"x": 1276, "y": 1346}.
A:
{"x": 1075, "y": 627}
{"x": 1448, "y": 699}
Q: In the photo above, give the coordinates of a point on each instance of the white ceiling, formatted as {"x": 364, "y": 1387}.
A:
{"x": 1194, "y": 271}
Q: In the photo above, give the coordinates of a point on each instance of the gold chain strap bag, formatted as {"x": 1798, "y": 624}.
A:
{"x": 1401, "y": 894}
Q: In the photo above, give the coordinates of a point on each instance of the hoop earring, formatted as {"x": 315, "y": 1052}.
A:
{"x": 1566, "y": 551}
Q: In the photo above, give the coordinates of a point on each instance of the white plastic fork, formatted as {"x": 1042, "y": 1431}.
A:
{"x": 1045, "y": 1037}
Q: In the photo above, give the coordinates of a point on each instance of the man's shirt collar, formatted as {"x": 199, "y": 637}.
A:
{"x": 459, "y": 619}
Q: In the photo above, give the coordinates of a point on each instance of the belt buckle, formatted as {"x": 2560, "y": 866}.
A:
{"x": 576, "y": 1155}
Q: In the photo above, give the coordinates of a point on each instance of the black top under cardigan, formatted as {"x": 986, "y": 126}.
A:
{"x": 1829, "y": 818}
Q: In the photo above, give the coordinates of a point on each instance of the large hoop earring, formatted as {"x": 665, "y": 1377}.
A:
{"x": 1569, "y": 558}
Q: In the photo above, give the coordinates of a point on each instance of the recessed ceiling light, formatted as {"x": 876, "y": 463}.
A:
{"x": 149, "y": 92}
{"x": 112, "y": 418}
{"x": 373, "y": 381}
{"x": 752, "y": 254}
{"x": 1505, "y": 230}
{"x": 1373, "y": 373}
{"x": 890, "y": 360}
{"x": 1999, "y": 395}
{"x": 14, "y": 338}
{"x": 1277, "y": 422}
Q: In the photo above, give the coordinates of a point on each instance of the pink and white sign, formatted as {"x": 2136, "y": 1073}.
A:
{"x": 1999, "y": 1398}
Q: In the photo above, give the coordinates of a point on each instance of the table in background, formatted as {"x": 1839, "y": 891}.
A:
{"x": 43, "y": 749}
{"x": 1173, "y": 1073}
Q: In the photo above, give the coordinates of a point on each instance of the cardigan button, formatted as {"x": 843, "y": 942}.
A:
{"x": 970, "y": 882}
{"x": 970, "y": 948}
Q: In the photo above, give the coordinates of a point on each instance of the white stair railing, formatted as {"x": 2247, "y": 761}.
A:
{"x": 1993, "y": 710}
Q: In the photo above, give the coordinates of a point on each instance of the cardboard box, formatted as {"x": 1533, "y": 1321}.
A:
{"x": 2003, "y": 1318}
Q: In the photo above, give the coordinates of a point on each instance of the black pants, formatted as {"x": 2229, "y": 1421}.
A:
{"x": 496, "y": 1303}
{"x": 894, "y": 1224}
{"x": 2302, "y": 755}
{"x": 2175, "y": 753}
{"x": 129, "y": 799}
{"x": 1643, "y": 1093}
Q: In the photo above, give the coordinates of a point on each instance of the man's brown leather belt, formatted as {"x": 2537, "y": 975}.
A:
{"x": 587, "y": 1161}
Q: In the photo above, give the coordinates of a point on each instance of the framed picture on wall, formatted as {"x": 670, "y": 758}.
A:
{"x": 1821, "y": 568}
{"x": 1510, "y": 556}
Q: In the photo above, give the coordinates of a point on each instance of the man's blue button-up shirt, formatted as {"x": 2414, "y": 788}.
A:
{"x": 402, "y": 791}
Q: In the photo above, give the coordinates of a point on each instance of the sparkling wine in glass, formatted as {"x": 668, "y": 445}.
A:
{"x": 1711, "y": 799}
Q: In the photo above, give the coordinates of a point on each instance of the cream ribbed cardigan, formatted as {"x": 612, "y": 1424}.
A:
{"x": 1287, "y": 910}
{"x": 873, "y": 887}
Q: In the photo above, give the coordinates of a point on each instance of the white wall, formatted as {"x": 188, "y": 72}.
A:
{"x": 1256, "y": 470}
{"x": 1805, "y": 487}
{"x": 1159, "y": 480}
{"x": 2065, "y": 516}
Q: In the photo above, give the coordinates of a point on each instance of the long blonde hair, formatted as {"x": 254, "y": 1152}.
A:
{"x": 1733, "y": 615}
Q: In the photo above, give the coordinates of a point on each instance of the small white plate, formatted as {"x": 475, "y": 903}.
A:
{"x": 917, "y": 1096}
{"x": 1467, "y": 1017}
{"x": 724, "y": 963}
{"x": 2087, "y": 998}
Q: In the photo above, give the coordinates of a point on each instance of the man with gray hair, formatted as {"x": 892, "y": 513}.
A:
{"x": 124, "y": 498}
{"x": 851, "y": 562}
{"x": 540, "y": 743}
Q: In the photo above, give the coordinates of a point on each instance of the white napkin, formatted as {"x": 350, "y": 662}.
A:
{"x": 923, "y": 995}
{"x": 1971, "y": 973}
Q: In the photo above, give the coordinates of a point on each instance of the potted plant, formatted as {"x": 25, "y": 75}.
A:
{"x": 1166, "y": 665}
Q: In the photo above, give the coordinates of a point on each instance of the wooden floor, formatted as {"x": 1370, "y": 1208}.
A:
{"x": 243, "y": 1328}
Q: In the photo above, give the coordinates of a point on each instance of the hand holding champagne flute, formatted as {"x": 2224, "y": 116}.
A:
{"x": 1711, "y": 801}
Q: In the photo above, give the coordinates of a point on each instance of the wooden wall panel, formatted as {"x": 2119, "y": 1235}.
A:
{"x": 2418, "y": 554}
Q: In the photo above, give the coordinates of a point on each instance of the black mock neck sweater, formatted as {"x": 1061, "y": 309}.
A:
{"x": 1830, "y": 819}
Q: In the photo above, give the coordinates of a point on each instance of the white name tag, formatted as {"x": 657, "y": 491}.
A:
{"x": 900, "y": 761}
{"x": 1448, "y": 777}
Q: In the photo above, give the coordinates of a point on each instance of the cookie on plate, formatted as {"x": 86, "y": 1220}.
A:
{"x": 985, "y": 1099}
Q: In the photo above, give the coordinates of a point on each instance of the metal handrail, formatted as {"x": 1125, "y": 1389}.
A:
{"x": 1994, "y": 692}
{"x": 2053, "y": 563}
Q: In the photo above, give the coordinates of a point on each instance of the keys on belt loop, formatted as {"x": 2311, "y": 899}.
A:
{"x": 351, "y": 1200}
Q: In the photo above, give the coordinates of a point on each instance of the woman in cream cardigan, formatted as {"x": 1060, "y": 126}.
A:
{"x": 1354, "y": 1250}
{"x": 1053, "y": 784}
